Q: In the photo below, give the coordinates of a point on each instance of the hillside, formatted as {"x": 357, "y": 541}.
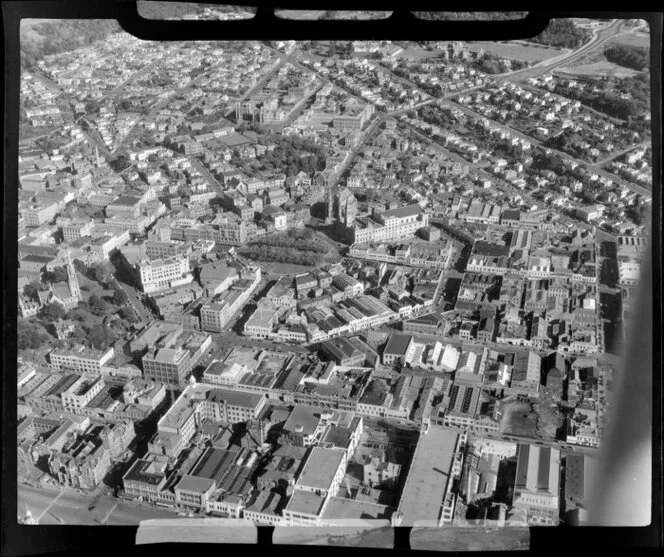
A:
{"x": 39, "y": 39}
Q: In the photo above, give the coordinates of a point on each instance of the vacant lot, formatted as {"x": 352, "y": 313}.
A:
{"x": 550, "y": 419}
{"x": 518, "y": 51}
{"x": 519, "y": 419}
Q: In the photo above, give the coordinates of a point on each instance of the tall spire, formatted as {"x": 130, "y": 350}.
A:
{"x": 74, "y": 287}
{"x": 330, "y": 203}
{"x": 97, "y": 154}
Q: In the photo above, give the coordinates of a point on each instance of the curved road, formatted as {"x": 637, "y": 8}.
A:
{"x": 600, "y": 37}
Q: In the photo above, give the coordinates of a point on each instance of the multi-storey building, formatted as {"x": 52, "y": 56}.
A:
{"x": 537, "y": 484}
{"x": 80, "y": 393}
{"x": 82, "y": 360}
{"x": 163, "y": 273}
{"x": 226, "y": 405}
{"x": 392, "y": 225}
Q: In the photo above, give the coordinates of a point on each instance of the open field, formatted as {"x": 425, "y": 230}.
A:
{"x": 518, "y": 51}
{"x": 365, "y": 534}
{"x": 519, "y": 419}
{"x": 470, "y": 538}
{"x": 196, "y": 530}
{"x": 599, "y": 68}
{"x": 418, "y": 53}
{"x": 632, "y": 39}
{"x": 596, "y": 64}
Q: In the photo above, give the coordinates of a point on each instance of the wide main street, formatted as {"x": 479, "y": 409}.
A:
{"x": 67, "y": 506}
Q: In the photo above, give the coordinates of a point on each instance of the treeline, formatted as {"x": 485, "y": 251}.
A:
{"x": 299, "y": 247}
{"x": 492, "y": 64}
{"x": 609, "y": 99}
{"x": 628, "y": 56}
{"x": 562, "y": 33}
{"x": 54, "y": 37}
{"x": 292, "y": 243}
{"x": 294, "y": 154}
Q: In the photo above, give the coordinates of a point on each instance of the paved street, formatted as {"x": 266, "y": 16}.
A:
{"x": 135, "y": 302}
{"x": 67, "y": 506}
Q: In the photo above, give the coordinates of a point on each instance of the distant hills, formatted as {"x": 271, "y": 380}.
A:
{"x": 43, "y": 37}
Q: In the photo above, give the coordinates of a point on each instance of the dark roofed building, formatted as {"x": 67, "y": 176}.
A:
{"x": 343, "y": 352}
{"x": 397, "y": 348}
{"x": 428, "y": 324}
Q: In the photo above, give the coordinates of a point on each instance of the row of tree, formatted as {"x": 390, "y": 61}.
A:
{"x": 492, "y": 64}
{"x": 281, "y": 255}
{"x": 629, "y": 56}
{"x": 610, "y": 98}
{"x": 562, "y": 33}
{"x": 293, "y": 241}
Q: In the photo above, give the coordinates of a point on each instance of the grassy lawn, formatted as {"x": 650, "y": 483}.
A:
{"x": 632, "y": 39}
{"x": 519, "y": 419}
{"x": 418, "y": 54}
{"x": 517, "y": 51}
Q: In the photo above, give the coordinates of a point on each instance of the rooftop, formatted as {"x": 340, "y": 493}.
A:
{"x": 214, "y": 464}
{"x": 429, "y": 475}
{"x": 344, "y": 508}
{"x": 305, "y": 502}
{"x": 303, "y": 419}
{"x": 194, "y": 484}
{"x": 320, "y": 468}
{"x": 398, "y": 344}
{"x": 144, "y": 471}
{"x": 403, "y": 212}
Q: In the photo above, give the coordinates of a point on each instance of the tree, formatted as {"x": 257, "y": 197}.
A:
{"x": 52, "y": 312}
{"x": 635, "y": 57}
{"x": 79, "y": 313}
{"x": 128, "y": 314}
{"x": 120, "y": 297}
{"x": 100, "y": 337}
{"x": 29, "y": 335}
{"x": 96, "y": 272}
{"x": 97, "y": 305}
{"x": 59, "y": 274}
{"x": 31, "y": 290}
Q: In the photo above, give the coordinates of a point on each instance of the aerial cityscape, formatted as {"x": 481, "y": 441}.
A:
{"x": 295, "y": 282}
